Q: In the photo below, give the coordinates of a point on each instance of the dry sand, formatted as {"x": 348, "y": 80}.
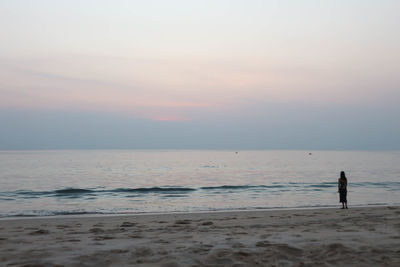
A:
{"x": 320, "y": 237}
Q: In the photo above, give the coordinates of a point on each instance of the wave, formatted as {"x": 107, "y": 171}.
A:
{"x": 230, "y": 187}
{"x": 45, "y": 213}
{"x": 171, "y": 190}
{"x": 90, "y": 191}
{"x": 378, "y": 184}
{"x": 154, "y": 189}
{"x": 239, "y": 187}
{"x": 73, "y": 191}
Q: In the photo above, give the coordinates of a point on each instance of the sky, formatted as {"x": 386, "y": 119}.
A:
{"x": 208, "y": 74}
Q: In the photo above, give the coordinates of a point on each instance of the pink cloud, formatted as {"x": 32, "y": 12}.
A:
{"x": 179, "y": 104}
{"x": 169, "y": 118}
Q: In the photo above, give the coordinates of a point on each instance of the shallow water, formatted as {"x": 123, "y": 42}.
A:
{"x": 56, "y": 182}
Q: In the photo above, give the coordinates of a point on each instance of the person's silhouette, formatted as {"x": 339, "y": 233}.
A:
{"x": 342, "y": 189}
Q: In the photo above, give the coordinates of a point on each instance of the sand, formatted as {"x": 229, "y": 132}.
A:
{"x": 318, "y": 237}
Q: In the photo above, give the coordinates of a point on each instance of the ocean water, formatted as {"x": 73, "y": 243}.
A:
{"x": 63, "y": 182}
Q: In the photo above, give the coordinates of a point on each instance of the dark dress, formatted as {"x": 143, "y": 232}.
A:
{"x": 343, "y": 190}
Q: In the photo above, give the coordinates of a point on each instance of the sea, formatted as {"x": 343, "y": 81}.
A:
{"x": 106, "y": 182}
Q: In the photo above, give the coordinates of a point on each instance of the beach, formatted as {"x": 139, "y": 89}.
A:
{"x": 362, "y": 236}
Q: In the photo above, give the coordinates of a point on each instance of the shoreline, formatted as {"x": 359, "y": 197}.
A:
{"x": 362, "y": 236}
{"x": 90, "y": 215}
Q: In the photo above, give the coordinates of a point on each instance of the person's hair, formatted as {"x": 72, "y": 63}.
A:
{"x": 343, "y": 175}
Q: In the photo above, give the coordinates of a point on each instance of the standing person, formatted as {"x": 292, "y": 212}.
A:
{"x": 342, "y": 189}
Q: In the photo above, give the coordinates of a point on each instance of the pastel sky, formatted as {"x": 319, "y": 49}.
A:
{"x": 200, "y": 74}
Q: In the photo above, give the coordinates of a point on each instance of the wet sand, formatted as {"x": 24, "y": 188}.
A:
{"x": 317, "y": 237}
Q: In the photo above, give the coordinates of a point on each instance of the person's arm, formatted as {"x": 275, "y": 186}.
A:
{"x": 338, "y": 186}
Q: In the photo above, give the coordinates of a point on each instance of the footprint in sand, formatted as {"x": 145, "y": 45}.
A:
{"x": 242, "y": 254}
{"x": 73, "y": 240}
{"x": 264, "y": 243}
{"x": 98, "y": 244}
{"x": 162, "y": 241}
{"x": 162, "y": 251}
{"x": 257, "y": 226}
{"x": 336, "y": 248}
{"x": 265, "y": 236}
{"x": 101, "y": 238}
{"x": 40, "y": 232}
{"x": 62, "y": 226}
{"x": 143, "y": 252}
{"x": 136, "y": 236}
{"x": 76, "y": 233}
{"x": 288, "y": 250}
{"x": 201, "y": 248}
{"x": 96, "y": 230}
{"x": 119, "y": 251}
{"x": 223, "y": 252}
{"x": 240, "y": 233}
{"x": 183, "y": 222}
{"x": 127, "y": 224}
{"x": 238, "y": 245}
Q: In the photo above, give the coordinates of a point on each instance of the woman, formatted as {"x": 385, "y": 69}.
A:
{"x": 342, "y": 189}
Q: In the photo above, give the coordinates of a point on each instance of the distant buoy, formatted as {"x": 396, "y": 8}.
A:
{"x": 310, "y": 153}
